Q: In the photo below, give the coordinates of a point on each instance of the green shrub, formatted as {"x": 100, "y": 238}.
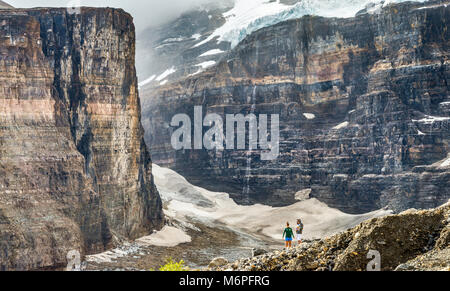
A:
{"x": 173, "y": 266}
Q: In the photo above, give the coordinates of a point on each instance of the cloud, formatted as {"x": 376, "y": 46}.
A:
{"x": 145, "y": 12}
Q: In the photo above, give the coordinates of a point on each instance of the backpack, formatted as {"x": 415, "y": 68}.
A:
{"x": 299, "y": 228}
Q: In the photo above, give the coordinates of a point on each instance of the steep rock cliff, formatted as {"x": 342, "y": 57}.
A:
{"x": 75, "y": 173}
{"x": 363, "y": 103}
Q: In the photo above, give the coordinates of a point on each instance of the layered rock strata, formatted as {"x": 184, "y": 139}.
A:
{"x": 75, "y": 173}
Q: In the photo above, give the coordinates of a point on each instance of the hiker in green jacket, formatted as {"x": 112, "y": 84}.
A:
{"x": 288, "y": 236}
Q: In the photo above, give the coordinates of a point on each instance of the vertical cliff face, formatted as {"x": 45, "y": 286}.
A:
{"x": 74, "y": 169}
{"x": 363, "y": 105}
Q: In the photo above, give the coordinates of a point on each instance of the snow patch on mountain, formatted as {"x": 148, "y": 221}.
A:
{"x": 173, "y": 39}
{"x": 433, "y": 6}
{"x": 206, "y": 65}
{"x": 446, "y": 163}
{"x": 196, "y": 36}
{"x": 309, "y": 115}
{"x": 166, "y": 73}
{"x": 212, "y": 52}
{"x": 167, "y": 237}
{"x": 196, "y": 73}
{"x": 342, "y": 125}
{"x": 432, "y": 119}
{"x": 147, "y": 81}
{"x": 186, "y": 202}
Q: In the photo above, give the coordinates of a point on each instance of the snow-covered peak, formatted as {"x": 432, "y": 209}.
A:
{"x": 247, "y": 16}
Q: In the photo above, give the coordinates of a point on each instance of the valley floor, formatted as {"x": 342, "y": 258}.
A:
{"x": 202, "y": 225}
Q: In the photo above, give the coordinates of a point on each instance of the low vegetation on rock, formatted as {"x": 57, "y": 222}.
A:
{"x": 173, "y": 266}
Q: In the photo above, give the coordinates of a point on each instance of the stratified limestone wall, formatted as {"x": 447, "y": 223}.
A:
{"x": 356, "y": 99}
{"x": 74, "y": 169}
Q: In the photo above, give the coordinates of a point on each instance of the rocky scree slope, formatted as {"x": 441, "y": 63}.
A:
{"x": 75, "y": 173}
{"x": 412, "y": 240}
{"x": 364, "y": 111}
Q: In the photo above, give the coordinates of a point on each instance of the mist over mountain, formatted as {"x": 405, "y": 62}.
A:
{"x": 145, "y": 12}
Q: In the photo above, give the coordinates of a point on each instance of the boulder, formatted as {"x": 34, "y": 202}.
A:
{"x": 218, "y": 262}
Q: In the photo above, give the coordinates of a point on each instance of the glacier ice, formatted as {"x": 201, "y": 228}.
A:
{"x": 248, "y": 16}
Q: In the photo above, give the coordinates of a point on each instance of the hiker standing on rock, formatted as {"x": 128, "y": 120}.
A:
{"x": 288, "y": 236}
{"x": 299, "y": 231}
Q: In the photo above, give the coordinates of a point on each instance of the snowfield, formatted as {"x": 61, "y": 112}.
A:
{"x": 187, "y": 202}
{"x": 167, "y": 237}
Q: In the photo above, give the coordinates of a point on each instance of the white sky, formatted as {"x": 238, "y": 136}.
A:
{"x": 145, "y": 12}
